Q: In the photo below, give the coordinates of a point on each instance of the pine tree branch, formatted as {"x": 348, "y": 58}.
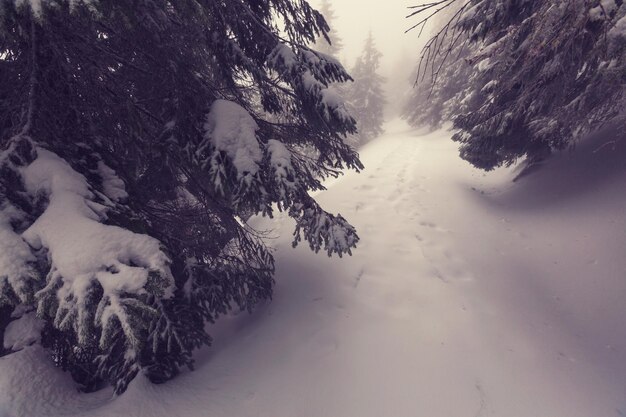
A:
{"x": 33, "y": 79}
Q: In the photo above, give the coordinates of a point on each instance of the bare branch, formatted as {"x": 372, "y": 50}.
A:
{"x": 439, "y": 47}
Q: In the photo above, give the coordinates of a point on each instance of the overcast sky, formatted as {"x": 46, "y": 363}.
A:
{"x": 386, "y": 19}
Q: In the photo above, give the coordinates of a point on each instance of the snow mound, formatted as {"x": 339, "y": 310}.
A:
{"x": 23, "y": 332}
{"x": 83, "y": 251}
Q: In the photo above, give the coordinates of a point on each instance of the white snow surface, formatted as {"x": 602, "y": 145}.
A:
{"x": 619, "y": 30}
{"x": 113, "y": 186}
{"x": 469, "y": 295}
{"x": 23, "y": 332}
{"x": 231, "y": 129}
{"x": 80, "y": 247}
{"x": 604, "y": 9}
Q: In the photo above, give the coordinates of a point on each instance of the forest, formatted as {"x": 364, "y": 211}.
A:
{"x": 302, "y": 208}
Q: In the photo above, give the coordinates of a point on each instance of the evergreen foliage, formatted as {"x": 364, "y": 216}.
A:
{"x": 137, "y": 138}
{"x": 542, "y": 74}
{"x": 330, "y": 43}
{"x": 366, "y": 95}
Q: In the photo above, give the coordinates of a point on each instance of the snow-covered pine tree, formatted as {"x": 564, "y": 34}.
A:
{"x": 548, "y": 73}
{"x": 137, "y": 138}
{"x": 441, "y": 86}
{"x": 366, "y": 95}
{"x": 329, "y": 43}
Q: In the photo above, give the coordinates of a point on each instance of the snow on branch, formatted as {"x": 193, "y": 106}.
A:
{"x": 311, "y": 73}
{"x": 322, "y": 229}
{"x": 90, "y": 262}
{"x": 18, "y": 272}
{"x": 229, "y": 128}
{"x": 281, "y": 163}
{"x": 36, "y": 6}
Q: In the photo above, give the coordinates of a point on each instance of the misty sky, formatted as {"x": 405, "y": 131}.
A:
{"x": 386, "y": 19}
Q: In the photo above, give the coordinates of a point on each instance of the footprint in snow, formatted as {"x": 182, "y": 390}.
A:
{"x": 325, "y": 343}
{"x": 433, "y": 226}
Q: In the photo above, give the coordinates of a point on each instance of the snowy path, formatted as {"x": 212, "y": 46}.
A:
{"x": 467, "y": 297}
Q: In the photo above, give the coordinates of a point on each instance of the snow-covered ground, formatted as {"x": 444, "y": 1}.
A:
{"x": 469, "y": 296}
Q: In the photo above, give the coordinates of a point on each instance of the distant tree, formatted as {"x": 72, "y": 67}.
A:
{"x": 366, "y": 95}
{"x": 398, "y": 84}
{"x": 331, "y": 45}
{"x": 136, "y": 140}
{"x": 543, "y": 73}
{"x": 330, "y": 42}
{"x": 438, "y": 97}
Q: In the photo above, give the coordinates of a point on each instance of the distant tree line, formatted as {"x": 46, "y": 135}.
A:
{"x": 364, "y": 96}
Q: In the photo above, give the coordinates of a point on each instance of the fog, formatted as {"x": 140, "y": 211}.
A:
{"x": 386, "y": 19}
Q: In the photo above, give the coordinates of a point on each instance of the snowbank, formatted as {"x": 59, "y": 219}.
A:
{"x": 468, "y": 295}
